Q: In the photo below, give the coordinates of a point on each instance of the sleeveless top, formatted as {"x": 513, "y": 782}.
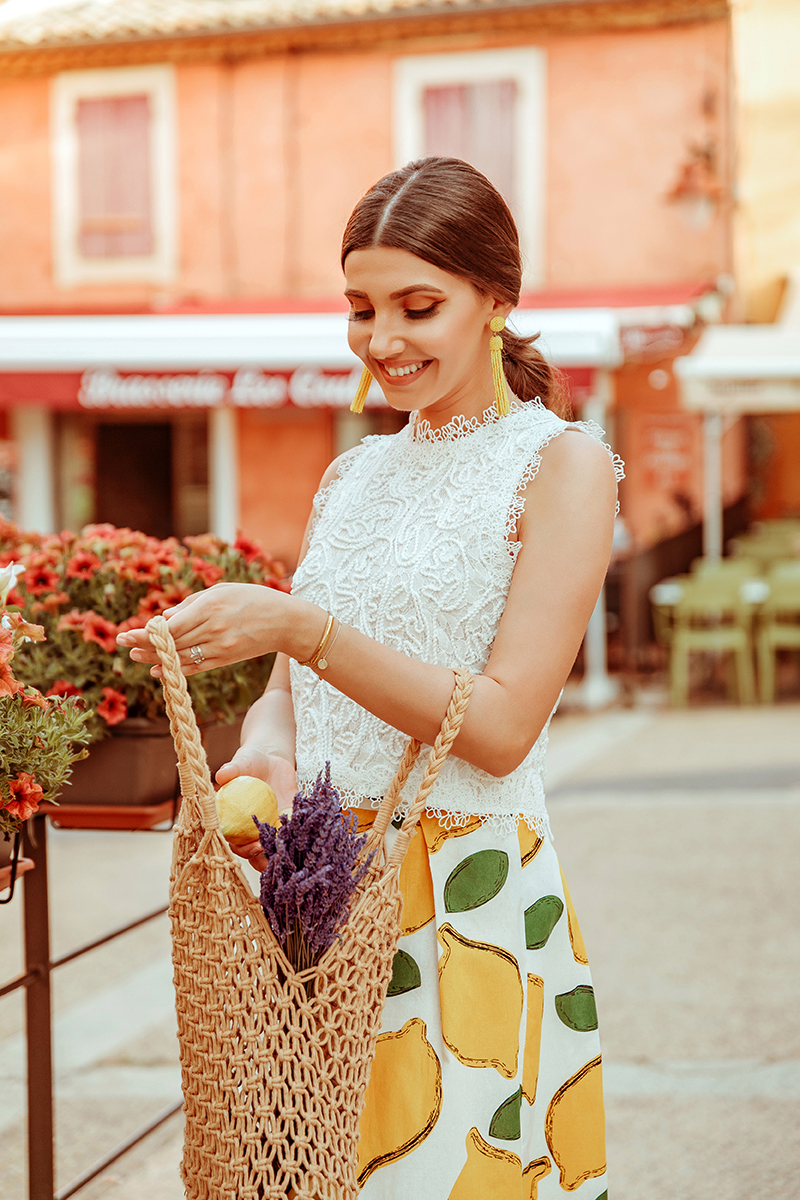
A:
{"x": 410, "y": 544}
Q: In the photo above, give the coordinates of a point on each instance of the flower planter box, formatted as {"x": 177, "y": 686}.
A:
{"x": 136, "y": 766}
{"x": 6, "y": 854}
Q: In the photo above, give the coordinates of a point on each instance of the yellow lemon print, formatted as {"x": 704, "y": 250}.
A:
{"x": 365, "y": 818}
{"x": 403, "y": 1098}
{"x": 416, "y": 887}
{"x": 487, "y": 1172}
{"x": 436, "y": 836}
{"x": 480, "y": 990}
{"x": 536, "y": 1170}
{"x": 575, "y": 935}
{"x": 575, "y": 1127}
{"x": 533, "y": 1037}
{"x": 529, "y": 843}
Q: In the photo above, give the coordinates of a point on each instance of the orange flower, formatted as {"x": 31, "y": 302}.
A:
{"x": 114, "y": 708}
{"x": 72, "y": 620}
{"x": 63, "y": 687}
{"x": 142, "y": 567}
{"x": 26, "y": 796}
{"x": 51, "y": 603}
{"x": 249, "y": 549}
{"x": 6, "y": 645}
{"x": 41, "y": 578}
{"x": 9, "y": 686}
{"x": 175, "y": 593}
{"x": 33, "y": 698}
{"x": 152, "y": 605}
{"x": 137, "y": 622}
{"x": 208, "y": 572}
{"x": 34, "y": 633}
{"x": 83, "y": 565}
{"x": 100, "y": 631}
{"x": 204, "y": 543}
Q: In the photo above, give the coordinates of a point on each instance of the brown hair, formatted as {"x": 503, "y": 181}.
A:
{"x": 448, "y": 214}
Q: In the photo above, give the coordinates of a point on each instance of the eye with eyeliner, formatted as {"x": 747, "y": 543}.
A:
{"x": 413, "y": 314}
{"x": 419, "y": 314}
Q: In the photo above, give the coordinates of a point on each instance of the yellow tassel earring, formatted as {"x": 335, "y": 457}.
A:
{"x": 497, "y": 325}
{"x": 364, "y": 384}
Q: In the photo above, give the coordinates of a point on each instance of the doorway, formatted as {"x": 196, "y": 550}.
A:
{"x": 150, "y": 475}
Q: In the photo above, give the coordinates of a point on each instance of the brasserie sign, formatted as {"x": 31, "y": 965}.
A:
{"x": 249, "y": 387}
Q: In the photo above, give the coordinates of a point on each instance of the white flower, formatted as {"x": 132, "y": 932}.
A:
{"x": 8, "y": 579}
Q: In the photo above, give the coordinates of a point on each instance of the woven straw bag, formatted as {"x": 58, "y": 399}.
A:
{"x": 275, "y": 1062}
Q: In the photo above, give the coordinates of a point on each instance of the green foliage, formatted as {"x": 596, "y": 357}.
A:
{"x": 41, "y": 742}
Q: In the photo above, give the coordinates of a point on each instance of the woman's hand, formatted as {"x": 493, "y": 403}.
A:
{"x": 230, "y": 622}
{"x": 277, "y": 772}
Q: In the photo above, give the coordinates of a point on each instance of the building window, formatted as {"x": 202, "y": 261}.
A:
{"x": 114, "y": 184}
{"x": 488, "y": 108}
{"x": 114, "y": 175}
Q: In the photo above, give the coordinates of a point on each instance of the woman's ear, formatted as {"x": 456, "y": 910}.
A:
{"x": 499, "y": 308}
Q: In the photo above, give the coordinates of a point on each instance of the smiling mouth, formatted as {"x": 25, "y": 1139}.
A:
{"x": 408, "y": 369}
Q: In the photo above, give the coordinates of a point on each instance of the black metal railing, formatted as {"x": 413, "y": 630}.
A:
{"x": 38, "y": 1026}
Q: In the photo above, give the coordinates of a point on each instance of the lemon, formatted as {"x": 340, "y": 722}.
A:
{"x": 239, "y": 801}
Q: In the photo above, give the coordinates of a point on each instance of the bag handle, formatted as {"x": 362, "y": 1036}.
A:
{"x": 451, "y": 725}
{"x": 195, "y": 777}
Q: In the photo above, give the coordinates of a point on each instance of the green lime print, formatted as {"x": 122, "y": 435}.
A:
{"x": 540, "y": 921}
{"x": 604, "y": 1195}
{"x": 505, "y": 1122}
{"x": 405, "y": 974}
{"x": 577, "y": 1010}
{"x": 476, "y": 880}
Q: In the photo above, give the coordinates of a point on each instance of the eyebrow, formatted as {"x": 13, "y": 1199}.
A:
{"x": 417, "y": 287}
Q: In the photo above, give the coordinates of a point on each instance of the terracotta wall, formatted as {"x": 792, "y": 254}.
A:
{"x": 662, "y": 494}
{"x": 282, "y": 457}
{"x": 775, "y": 465}
{"x": 624, "y": 109}
{"x": 274, "y": 151}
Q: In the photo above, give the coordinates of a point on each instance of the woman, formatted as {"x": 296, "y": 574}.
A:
{"x": 468, "y": 539}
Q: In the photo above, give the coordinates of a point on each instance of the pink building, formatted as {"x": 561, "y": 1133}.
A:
{"x": 174, "y": 179}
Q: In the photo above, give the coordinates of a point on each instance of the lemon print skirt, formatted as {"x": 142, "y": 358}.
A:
{"x": 487, "y": 1081}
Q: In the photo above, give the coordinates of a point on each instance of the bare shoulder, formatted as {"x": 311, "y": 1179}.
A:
{"x": 575, "y": 486}
{"x": 575, "y": 462}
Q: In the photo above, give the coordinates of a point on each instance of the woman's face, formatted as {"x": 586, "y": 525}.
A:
{"x": 422, "y": 332}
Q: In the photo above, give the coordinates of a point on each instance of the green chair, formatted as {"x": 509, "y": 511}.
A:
{"x": 664, "y": 595}
{"x": 778, "y": 625}
{"x": 714, "y": 615}
{"x": 740, "y": 568}
{"x": 767, "y": 546}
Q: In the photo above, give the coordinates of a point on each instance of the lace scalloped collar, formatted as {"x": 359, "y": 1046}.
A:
{"x": 458, "y": 426}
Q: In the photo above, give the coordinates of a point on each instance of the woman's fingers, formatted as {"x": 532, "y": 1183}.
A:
{"x": 253, "y": 854}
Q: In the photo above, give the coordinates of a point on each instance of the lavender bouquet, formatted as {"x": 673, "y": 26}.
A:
{"x": 315, "y": 861}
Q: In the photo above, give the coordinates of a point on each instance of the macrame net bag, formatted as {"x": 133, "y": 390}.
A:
{"x": 275, "y": 1062}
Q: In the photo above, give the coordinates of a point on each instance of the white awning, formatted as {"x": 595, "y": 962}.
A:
{"x": 226, "y": 342}
{"x": 742, "y": 369}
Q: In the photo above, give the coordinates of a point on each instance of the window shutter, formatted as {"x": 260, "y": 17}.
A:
{"x": 475, "y": 121}
{"x": 115, "y": 195}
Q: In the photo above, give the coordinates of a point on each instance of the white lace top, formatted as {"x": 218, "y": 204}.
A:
{"x": 410, "y": 545}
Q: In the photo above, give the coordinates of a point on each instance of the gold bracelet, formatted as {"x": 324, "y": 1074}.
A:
{"x": 322, "y": 662}
{"x": 323, "y": 643}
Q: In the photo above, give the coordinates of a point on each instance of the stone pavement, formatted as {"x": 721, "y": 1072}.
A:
{"x": 678, "y": 834}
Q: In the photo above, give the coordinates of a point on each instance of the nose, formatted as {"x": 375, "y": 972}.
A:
{"x": 387, "y": 340}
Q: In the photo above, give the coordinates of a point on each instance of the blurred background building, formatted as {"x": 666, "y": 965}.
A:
{"x": 175, "y": 176}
